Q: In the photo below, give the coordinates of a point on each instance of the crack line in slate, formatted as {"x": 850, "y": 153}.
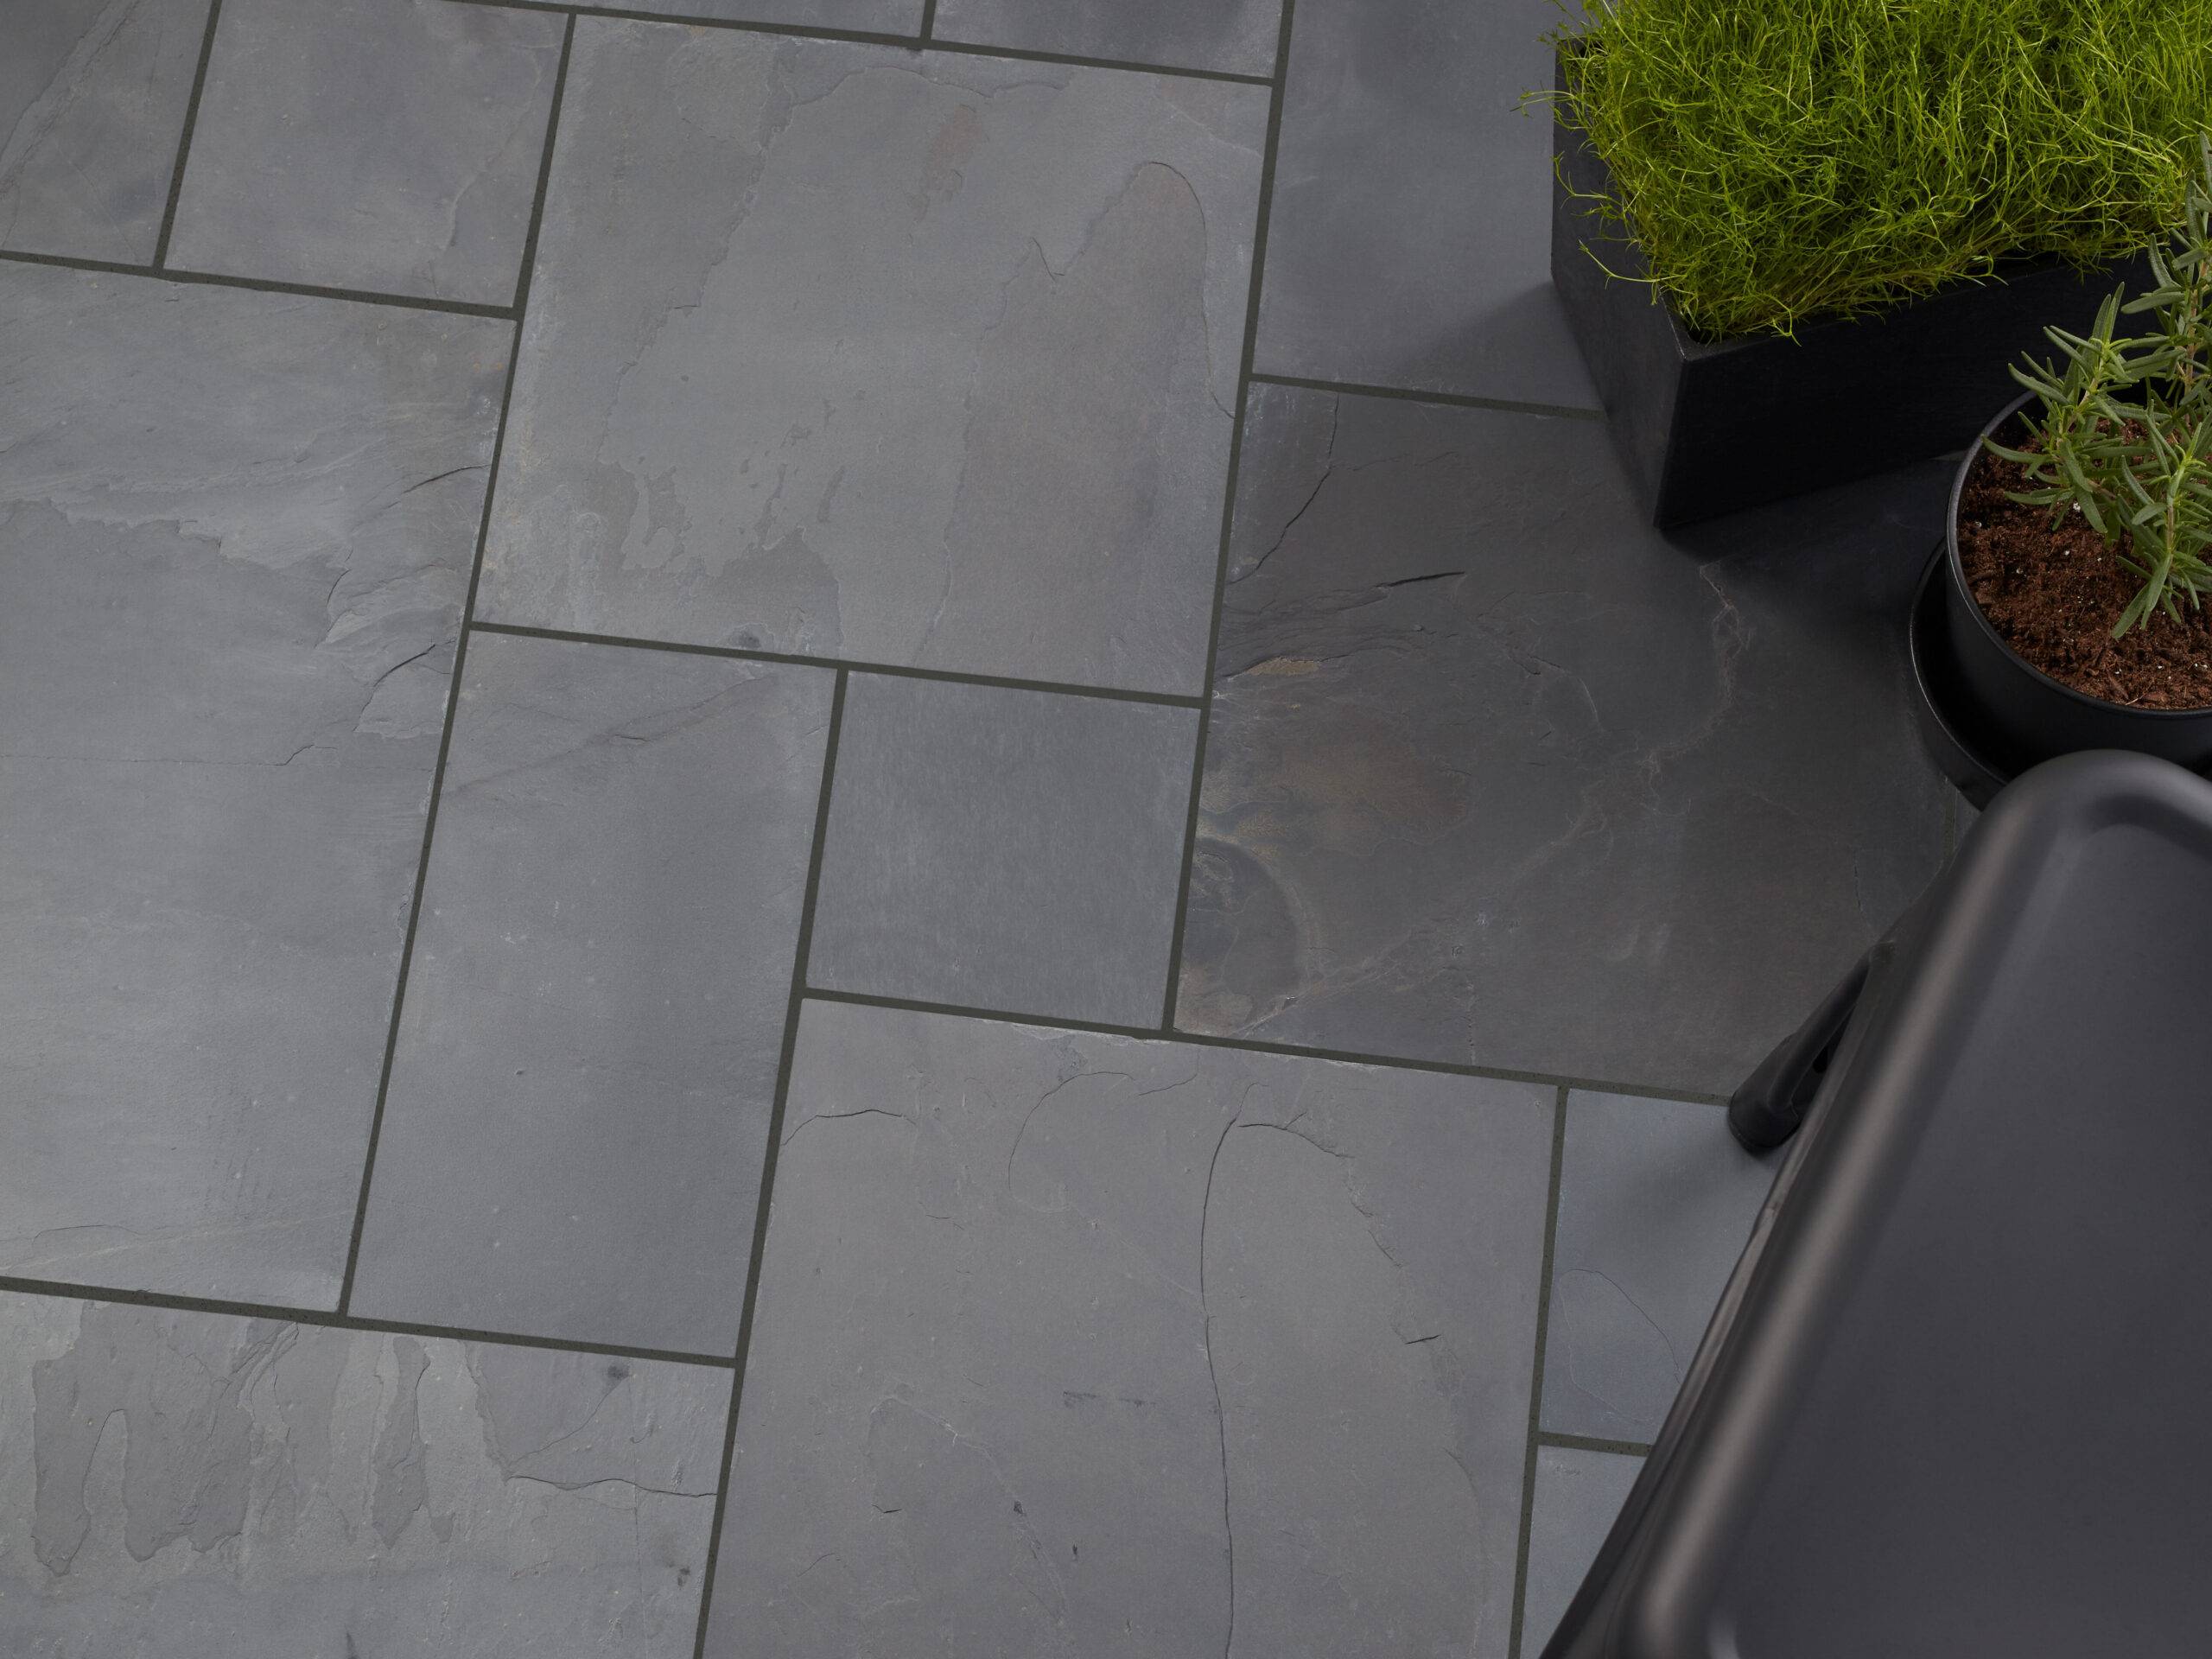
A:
{"x": 434, "y": 645}
{"x": 607, "y": 1480}
{"x": 1674, "y": 1359}
{"x": 1328, "y": 467}
{"x": 440, "y": 478}
{"x": 1013, "y": 1151}
{"x": 1165, "y": 1088}
{"x": 832, "y": 1117}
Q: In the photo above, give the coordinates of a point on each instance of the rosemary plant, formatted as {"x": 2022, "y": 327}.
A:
{"x": 2124, "y": 433}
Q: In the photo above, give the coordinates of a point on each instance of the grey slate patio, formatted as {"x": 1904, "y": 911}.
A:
{"x": 92, "y": 98}
{"x": 1655, "y": 1202}
{"x": 971, "y": 409}
{"x": 205, "y": 1487}
{"x": 1411, "y": 240}
{"x": 327, "y": 85}
{"x": 761, "y": 903}
{"x": 1091, "y": 1344}
{"x": 1578, "y": 1493}
{"x": 579, "y": 1104}
{"x": 1497, "y": 775}
{"x": 235, "y": 529}
{"x": 925, "y": 896}
{"x": 1235, "y": 37}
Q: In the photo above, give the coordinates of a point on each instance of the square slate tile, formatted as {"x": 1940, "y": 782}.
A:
{"x": 93, "y": 96}
{"x": 1497, "y": 775}
{"x": 1085, "y": 1345}
{"x": 1579, "y": 1494}
{"x": 1007, "y": 849}
{"x": 1410, "y": 239}
{"x": 579, "y": 1103}
{"x": 235, "y": 533}
{"x": 1656, "y": 1201}
{"x": 1234, "y": 36}
{"x": 391, "y": 145}
{"x": 196, "y": 1486}
{"x": 838, "y": 350}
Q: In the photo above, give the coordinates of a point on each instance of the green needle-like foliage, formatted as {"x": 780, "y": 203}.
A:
{"x": 1778, "y": 160}
{"x": 2125, "y": 434}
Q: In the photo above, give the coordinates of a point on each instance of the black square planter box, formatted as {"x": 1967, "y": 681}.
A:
{"x": 1707, "y": 427}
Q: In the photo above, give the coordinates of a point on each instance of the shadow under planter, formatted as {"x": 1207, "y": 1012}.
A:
{"x": 1708, "y": 427}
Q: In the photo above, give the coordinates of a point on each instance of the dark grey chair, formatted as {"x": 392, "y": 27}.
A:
{"x": 1957, "y": 1400}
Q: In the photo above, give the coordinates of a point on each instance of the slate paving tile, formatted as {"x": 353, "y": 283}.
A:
{"x": 1007, "y": 849}
{"x": 387, "y": 145}
{"x": 843, "y": 350}
{"x": 235, "y": 533}
{"x": 1409, "y": 242}
{"x": 579, "y": 1103}
{"x": 1075, "y": 1344}
{"x": 873, "y": 16}
{"x": 1495, "y": 774}
{"x": 196, "y": 1486}
{"x": 1233, "y": 37}
{"x": 92, "y": 98}
{"x": 1578, "y": 1493}
{"x": 1656, "y": 1201}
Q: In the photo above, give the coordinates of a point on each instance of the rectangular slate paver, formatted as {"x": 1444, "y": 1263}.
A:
{"x": 235, "y": 533}
{"x": 579, "y": 1103}
{"x": 391, "y": 145}
{"x": 1656, "y": 1201}
{"x": 1085, "y": 1345}
{"x": 845, "y": 351}
{"x": 1233, "y": 37}
{"x": 1496, "y": 773}
{"x": 1578, "y": 1493}
{"x": 1006, "y": 849}
{"x": 873, "y": 16}
{"x": 195, "y": 1486}
{"x": 92, "y": 99}
{"x": 1410, "y": 239}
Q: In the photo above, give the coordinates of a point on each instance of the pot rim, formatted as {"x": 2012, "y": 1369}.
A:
{"x": 1974, "y": 605}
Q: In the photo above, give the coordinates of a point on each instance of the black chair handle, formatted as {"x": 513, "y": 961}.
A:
{"x": 1771, "y": 1104}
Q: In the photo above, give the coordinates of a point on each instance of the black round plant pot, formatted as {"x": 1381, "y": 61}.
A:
{"x": 2018, "y": 713}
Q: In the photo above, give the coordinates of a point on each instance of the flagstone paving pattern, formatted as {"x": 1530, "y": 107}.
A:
{"x": 851, "y": 827}
{"x": 92, "y": 97}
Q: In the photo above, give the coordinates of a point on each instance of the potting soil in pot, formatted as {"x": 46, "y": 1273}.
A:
{"x": 2054, "y": 595}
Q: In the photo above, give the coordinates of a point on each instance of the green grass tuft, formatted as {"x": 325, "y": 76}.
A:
{"x": 1782, "y": 162}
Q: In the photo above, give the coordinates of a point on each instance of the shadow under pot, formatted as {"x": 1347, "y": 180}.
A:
{"x": 2009, "y": 712}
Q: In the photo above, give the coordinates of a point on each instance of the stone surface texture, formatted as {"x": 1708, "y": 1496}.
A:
{"x": 1656, "y": 1201}
{"x": 1085, "y": 1345}
{"x": 1497, "y": 775}
{"x": 1410, "y": 240}
{"x": 1233, "y": 37}
{"x": 92, "y": 98}
{"x": 1578, "y": 1493}
{"x": 391, "y": 145}
{"x": 579, "y": 1103}
{"x": 1005, "y": 850}
{"x": 840, "y": 350}
{"x": 196, "y": 1486}
{"x": 872, "y": 16}
{"x": 235, "y": 531}
{"x": 596, "y": 856}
